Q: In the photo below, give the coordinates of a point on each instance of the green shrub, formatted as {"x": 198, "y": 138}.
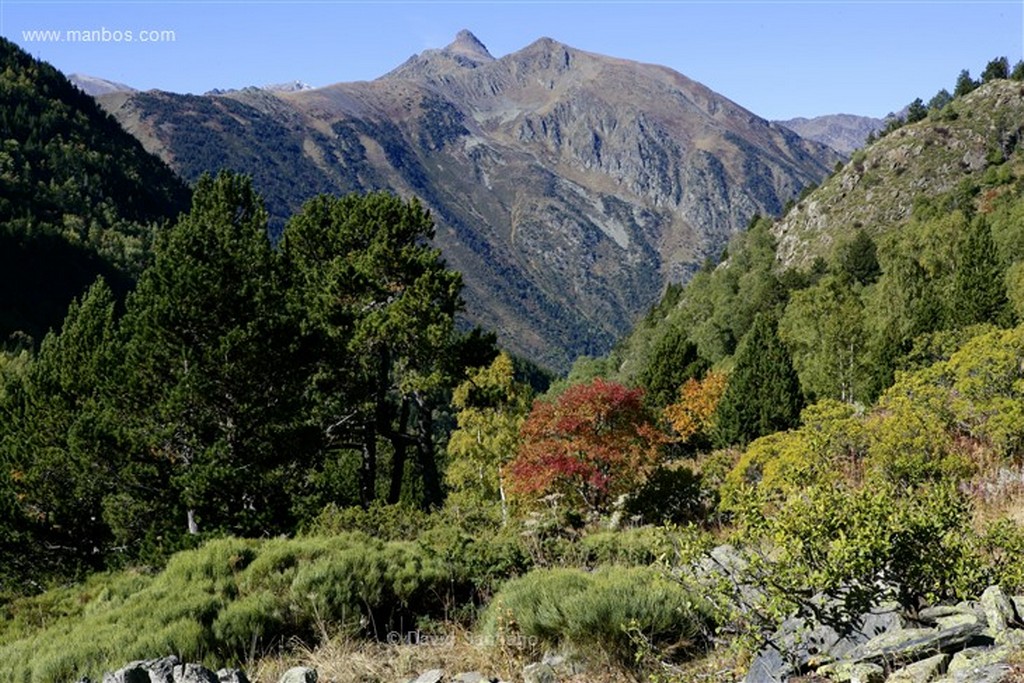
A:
{"x": 670, "y": 495}
{"x": 601, "y": 611}
{"x": 223, "y": 603}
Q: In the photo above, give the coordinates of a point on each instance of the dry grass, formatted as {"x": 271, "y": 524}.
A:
{"x": 998, "y": 493}
{"x": 352, "y": 660}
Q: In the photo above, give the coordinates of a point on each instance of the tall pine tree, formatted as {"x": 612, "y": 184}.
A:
{"x": 979, "y": 292}
{"x": 763, "y": 394}
{"x": 210, "y": 356}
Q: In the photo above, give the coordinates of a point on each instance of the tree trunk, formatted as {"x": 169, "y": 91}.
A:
{"x": 399, "y": 442}
{"x": 193, "y": 526}
{"x": 374, "y": 425}
{"x": 425, "y": 454}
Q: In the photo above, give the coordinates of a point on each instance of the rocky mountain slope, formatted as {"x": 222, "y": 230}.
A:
{"x": 878, "y": 188}
{"x": 842, "y": 132}
{"x": 567, "y": 187}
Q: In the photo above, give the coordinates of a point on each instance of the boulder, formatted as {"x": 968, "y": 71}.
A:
{"x": 914, "y": 643}
{"x": 145, "y": 671}
{"x": 299, "y": 674}
{"x": 194, "y": 673}
{"x": 538, "y": 672}
{"x": 920, "y": 672}
{"x": 806, "y": 644}
{"x": 999, "y": 611}
{"x": 432, "y": 676}
{"x": 854, "y": 672}
{"x": 991, "y": 673}
{"x": 471, "y": 677}
{"x": 232, "y": 676}
{"x": 977, "y": 657}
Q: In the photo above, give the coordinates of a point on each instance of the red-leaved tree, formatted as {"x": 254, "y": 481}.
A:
{"x": 592, "y": 444}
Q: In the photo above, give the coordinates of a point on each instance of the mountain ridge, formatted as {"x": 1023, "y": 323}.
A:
{"x": 569, "y": 188}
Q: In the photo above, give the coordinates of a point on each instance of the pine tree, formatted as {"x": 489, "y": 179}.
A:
{"x": 381, "y": 308}
{"x": 763, "y": 394}
{"x": 60, "y": 439}
{"x": 979, "y": 291}
{"x": 209, "y": 350}
{"x": 673, "y": 360}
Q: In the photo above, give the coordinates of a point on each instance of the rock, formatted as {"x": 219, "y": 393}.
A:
{"x": 854, "y": 672}
{"x": 958, "y": 619}
{"x": 931, "y": 615}
{"x": 299, "y": 674}
{"x": 992, "y": 673}
{"x": 471, "y": 677}
{"x": 999, "y": 610}
{"x": 538, "y": 672}
{"x": 432, "y": 676}
{"x": 232, "y": 676}
{"x": 807, "y": 645}
{"x": 976, "y": 657}
{"x": 912, "y": 643}
{"x": 919, "y": 672}
{"x": 194, "y": 673}
{"x": 145, "y": 671}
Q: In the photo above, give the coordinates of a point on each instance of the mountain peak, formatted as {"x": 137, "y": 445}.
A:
{"x": 468, "y": 45}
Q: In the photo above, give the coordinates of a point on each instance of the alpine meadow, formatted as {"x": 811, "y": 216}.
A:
{"x": 553, "y": 367}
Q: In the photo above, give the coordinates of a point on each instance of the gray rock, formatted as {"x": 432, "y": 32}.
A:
{"x": 913, "y": 643}
{"x": 299, "y": 674}
{"x": 977, "y": 657}
{"x": 799, "y": 645}
{"x": 999, "y": 610}
{"x": 232, "y": 676}
{"x": 538, "y": 672}
{"x": 432, "y": 676}
{"x": 958, "y": 620}
{"x": 931, "y": 615}
{"x": 145, "y": 671}
{"x": 992, "y": 673}
{"x": 854, "y": 672}
{"x": 920, "y": 672}
{"x": 194, "y": 673}
{"x": 471, "y": 677}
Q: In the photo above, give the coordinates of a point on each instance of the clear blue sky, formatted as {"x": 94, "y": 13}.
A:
{"x": 778, "y": 59}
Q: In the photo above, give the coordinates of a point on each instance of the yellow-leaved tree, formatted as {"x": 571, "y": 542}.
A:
{"x": 491, "y": 406}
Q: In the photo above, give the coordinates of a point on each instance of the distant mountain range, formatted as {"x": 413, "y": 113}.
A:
{"x": 842, "y": 132}
{"x": 568, "y": 187}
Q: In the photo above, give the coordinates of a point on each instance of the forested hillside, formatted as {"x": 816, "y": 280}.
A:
{"x": 79, "y": 197}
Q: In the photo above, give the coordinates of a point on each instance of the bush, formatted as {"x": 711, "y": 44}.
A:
{"x": 674, "y": 496}
{"x": 598, "y": 612}
{"x": 223, "y": 603}
{"x": 860, "y": 547}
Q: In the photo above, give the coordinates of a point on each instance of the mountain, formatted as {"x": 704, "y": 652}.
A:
{"x": 568, "y": 187}
{"x": 91, "y": 85}
{"x": 880, "y": 186}
{"x": 78, "y": 196}
{"x": 916, "y": 243}
{"x": 842, "y": 132}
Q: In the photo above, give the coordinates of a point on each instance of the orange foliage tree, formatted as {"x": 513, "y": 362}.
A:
{"x": 592, "y": 444}
{"x": 693, "y": 415}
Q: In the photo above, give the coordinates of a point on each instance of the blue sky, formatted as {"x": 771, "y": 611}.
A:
{"x": 778, "y": 59}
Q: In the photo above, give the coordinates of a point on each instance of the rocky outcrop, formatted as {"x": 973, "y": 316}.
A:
{"x": 943, "y": 643}
{"x": 172, "y": 670}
